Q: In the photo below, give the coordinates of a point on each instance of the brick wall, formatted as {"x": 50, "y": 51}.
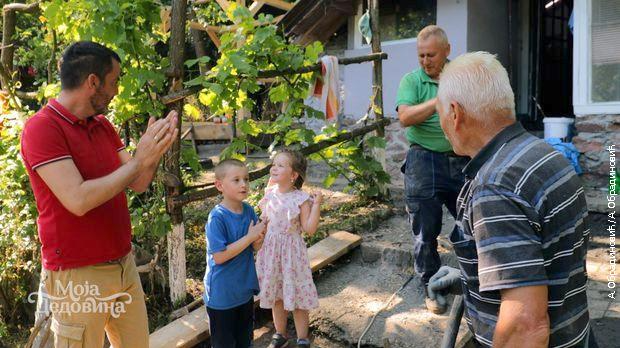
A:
{"x": 594, "y": 134}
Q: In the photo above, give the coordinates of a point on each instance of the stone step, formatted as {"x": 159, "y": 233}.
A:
{"x": 388, "y": 255}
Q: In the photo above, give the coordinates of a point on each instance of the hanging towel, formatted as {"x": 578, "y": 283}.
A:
{"x": 327, "y": 87}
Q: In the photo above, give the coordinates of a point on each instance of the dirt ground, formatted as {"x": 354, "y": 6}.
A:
{"x": 353, "y": 289}
{"x": 356, "y": 287}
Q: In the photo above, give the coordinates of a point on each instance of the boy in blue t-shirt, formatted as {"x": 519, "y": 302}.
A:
{"x": 233, "y": 230}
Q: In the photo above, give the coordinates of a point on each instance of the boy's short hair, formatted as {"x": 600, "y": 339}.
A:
{"x": 221, "y": 169}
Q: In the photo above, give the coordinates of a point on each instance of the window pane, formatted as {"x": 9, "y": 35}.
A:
{"x": 403, "y": 19}
{"x": 605, "y": 50}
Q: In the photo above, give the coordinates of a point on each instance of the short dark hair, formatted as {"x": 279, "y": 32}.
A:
{"x": 82, "y": 59}
{"x": 221, "y": 169}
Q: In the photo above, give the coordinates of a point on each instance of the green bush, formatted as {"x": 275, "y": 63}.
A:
{"x": 19, "y": 247}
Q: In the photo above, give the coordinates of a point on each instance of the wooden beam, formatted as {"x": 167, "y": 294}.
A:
{"x": 210, "y": 190}
{"x": 193, "y": 328}
{"x": 9, "y": 19}
{"x": 200, "y": 44}
{"x": 209, "y": 130}
{"x": 283, "y": 5}
{"x": 199, "y": 26}
{"x": 172, "y": 97}
{"x": 377, "y": 65}
{"x": 377, "y": 84}
{"x": 213, "y": 36}
{"x": 256, "y": 6}
{"x": 225, "y": 28}
{"x": 317, "y": 66}
{"x": 224, "y": 4}
{"x": 176, "y": 237}
{"x": 19, "y": 7}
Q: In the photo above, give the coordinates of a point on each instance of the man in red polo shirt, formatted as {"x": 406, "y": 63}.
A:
{"x": 79, "y": 170}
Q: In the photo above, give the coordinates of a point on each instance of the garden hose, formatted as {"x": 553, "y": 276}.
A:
{"x": 359, "y": 342}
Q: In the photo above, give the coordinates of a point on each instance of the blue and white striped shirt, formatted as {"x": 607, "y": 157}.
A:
{"x": 521, "y": 222}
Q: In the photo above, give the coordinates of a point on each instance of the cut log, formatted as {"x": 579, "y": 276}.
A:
{"x": 193, "y": 328}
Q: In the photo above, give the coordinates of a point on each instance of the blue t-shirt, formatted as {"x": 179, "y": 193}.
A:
{"x": 234, "y": 282}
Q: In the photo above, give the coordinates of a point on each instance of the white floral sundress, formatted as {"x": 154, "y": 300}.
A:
{"x": 282, "y": 263}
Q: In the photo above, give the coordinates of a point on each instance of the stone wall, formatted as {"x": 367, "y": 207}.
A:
{"x": 594, "y": 134}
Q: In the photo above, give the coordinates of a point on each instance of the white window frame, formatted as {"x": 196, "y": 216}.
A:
{"x": 582, "y": 65}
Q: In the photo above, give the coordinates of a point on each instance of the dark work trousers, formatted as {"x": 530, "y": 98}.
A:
{"x": 232, "y": 328}
{"x": 432, "y": 179}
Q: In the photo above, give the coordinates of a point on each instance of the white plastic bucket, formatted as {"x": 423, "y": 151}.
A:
{"x": 557, "y": 127}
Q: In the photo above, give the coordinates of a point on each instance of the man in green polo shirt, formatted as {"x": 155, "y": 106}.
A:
{"x": 433, "y": 173}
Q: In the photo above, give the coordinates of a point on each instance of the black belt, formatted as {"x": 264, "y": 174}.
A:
{"x": 447, "y": 153}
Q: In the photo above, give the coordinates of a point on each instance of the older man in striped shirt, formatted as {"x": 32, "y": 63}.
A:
{"x": 520, "y": 236}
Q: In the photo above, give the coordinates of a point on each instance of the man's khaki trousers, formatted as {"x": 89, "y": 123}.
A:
{"x": 88, "y": 302}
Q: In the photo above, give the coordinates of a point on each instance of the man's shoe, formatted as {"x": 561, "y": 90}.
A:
{"x": 432, "y": 304}
{"x": 278, "y": 341}
{"x": 303, "y": 343}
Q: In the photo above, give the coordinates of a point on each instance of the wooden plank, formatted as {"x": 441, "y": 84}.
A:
{"x": 331, "y": 248}
{"x": 283, "y": 5}
{"x": 186, "y": 331}
{"x": 208, "y": 130}
{"x": 193, "y": 328}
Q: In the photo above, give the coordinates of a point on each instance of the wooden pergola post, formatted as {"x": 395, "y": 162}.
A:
{"x": 9, "y": 20}
{"x": 176, "y": 238}
{"x": 377, "y": 65}
{"x": 377, "y": 79}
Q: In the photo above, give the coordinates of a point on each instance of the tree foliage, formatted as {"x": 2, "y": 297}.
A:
{"x": 255, "y": 46}
{"x": 133, "y": 29}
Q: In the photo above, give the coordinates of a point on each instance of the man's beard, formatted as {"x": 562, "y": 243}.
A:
{"x": 99, "y": 102}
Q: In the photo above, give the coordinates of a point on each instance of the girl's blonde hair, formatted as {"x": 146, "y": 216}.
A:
{"x": 299, "y": 164}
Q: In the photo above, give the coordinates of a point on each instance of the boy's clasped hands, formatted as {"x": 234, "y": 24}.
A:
{"x": 257, "y": 232}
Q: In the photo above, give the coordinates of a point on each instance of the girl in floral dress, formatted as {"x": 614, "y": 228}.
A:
{"x": 282, "y": 263}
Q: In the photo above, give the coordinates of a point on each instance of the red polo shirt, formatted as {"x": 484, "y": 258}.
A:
{"x": 102, "y": 234}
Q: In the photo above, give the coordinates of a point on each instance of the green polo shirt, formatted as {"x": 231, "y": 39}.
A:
{"x": 415, "y": 88}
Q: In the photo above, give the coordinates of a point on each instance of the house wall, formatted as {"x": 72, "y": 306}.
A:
{"x": 402, "y": 58}
{"x": 487, "y": 28}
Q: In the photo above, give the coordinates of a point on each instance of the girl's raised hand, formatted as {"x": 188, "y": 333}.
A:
{"x": 317, "y": 197}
